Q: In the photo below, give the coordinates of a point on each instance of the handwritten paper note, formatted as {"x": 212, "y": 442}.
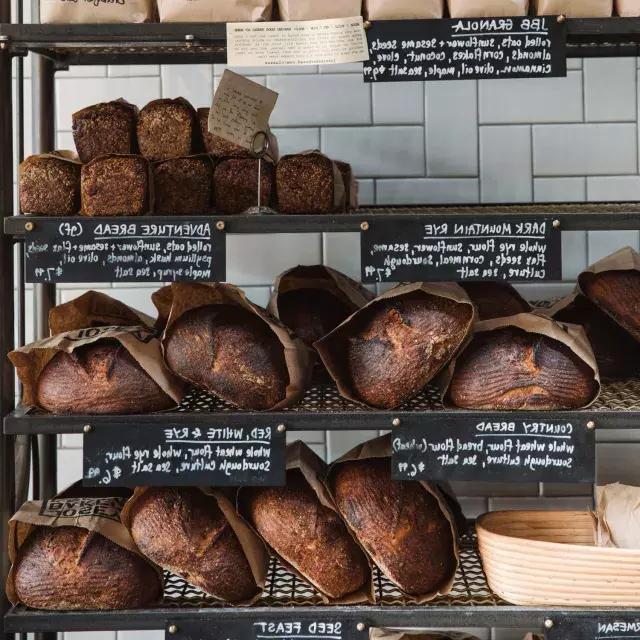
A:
{"x": 241, "y": 108}
{"x": 334, "y": 41}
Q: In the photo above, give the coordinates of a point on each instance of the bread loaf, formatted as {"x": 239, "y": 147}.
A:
{"x": 49, "y": 186}
{"x": 98, "y": 378}
{"x": 215, "y": 145}
{"x": 231, "y": 352}
{"x": 183, "y": 185}
{"x": 104, "y": 129}
{"x": 495, "y": 299}
{"x": 309, "y": 536}
{"x": 399, "y": 524}
{"x": 115, "y": 186}
{"x": 70, "y": 568}
{"x": 575, "y": 8}
{"x": 509, "y": 368}
{"x": 184, "y": 531}
{"x": 616, "y": 352}
{"x": 168, "y": 129}
{"x": 350, "y": 185}
{"x": 236, "y": 185}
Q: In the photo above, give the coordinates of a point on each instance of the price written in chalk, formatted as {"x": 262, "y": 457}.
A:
{"x": 465, "y": 249}
{"x": 595, "y": 628}
{"x": 459, "y": 49}
{"x": 120, "y": 250}
{"x": 525, "y": 450}
{"x": 150, "y": 454}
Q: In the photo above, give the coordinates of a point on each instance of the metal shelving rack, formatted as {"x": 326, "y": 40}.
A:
{"x": 471, "y": 603}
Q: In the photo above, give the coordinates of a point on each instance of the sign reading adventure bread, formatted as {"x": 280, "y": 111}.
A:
{"x": 126, "y": 455}
{"x": 533, "y": 448}
{"x": 466, "y": 49}
{"x": 461, "y": 249}
{"x": 594, "y": 628}
{"x": 124, "y": 250}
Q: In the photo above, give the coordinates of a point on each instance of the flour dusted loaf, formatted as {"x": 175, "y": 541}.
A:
{"x": 236, "y": 185}
{"x": 308, "y": 535}
{"x": 115, "y": 186}
{"x": 231, "y": 352}
{"x": 510, "y": 368}
{"x": 495, "y": 299}
{"x": 98, "y": 378}
{"x": 104, "y": 129}
{"x": 49, "y": 186}
{"x": 183, "y": 185}
{"x": 400, "y": 524}
{"x": 70, "y": 568}
{"x": 184, "y": 531}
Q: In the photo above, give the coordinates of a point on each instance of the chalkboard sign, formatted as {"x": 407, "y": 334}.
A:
{"x": 129, "y": 455}
{"x": 594, "y": 627}
{"x": 166, "y": 249}
{"x": 466, "y": 49}
{"x": 512, "y": 249}
{"x": 263, "y": 626}
{"x": 532, "y": 448}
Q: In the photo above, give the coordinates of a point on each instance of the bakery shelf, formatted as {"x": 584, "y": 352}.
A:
{"x": 205, "y": 43}
{"x": 322, "y": 408}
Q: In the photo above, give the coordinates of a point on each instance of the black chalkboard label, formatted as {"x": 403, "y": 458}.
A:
{"x": 532, "y": 448}
{"x": 512, "y": 249}
{"x": 594, "y": 627}
{"x": 466, "y": 49}
{"x": 267, "y": 626}
{"x": 126, "y": 455}
{"x": 125, "y": 250}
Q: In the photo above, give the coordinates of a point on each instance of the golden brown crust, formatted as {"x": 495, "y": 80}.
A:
{"x": 236, "y": 185}
{"x": 231, "y": 352}
{"x": 69, "y": 568}
{"x": 305, "y": 183}
{"x": 508, "y": 369}
{"x": 495, "y": 299}
{"x": 99, "y": 378}
{"x": 49, "y": 186}
{"x": 307, "y": 535}
{"x": 185, "y": 532}
{"x": 183, "y": 186}
{"x": 399, "y": 524}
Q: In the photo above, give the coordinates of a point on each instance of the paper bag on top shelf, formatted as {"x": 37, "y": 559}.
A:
{"x": 403, "y": 9}
{"x": 318, "y": 9}
{"x": 126, "y": 11}
{"x": 487, "y": 8}
{"x": 215, "y": 10}
{"x": 617, "y": 516}
{"x": 628, "y": 8}
{"x": 575, "y": 8}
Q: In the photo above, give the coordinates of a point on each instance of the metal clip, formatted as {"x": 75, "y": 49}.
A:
{"x": 260, "y": 146}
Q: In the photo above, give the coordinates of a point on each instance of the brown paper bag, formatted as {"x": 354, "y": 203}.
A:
{"x": 417, "y": 634}
{"x": 214, "y": 10}
{"x": 176, "y": 299}
{"x": 253, "y": 548}
{"x": 575, "y": 8}
{"x": 83, "y": 12}
{"x": 403, "y": 9}
{"x": 628, "y": 8}
{"x": 488, "y": 8}
{"x": 140, "y": 342}
{"x": 97, "y": 514}
{"x": 571, "y": 335}
{"x": 617, "y": 516}
{"x": 331, "y": 347}
{"x": 318, "y": 10}
{"x": 381, "y": 448}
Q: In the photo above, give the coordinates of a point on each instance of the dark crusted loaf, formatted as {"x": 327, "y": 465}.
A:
{"x": 307, "y": 535}
{"x": 399, "y": 524}
{"x": 183, "y": 185}
{"x": 231, "y": 352}
{"x": 99, "y": 378}
{"x": 510, "y": 368}
{"x": 215, "y": 145}
{"x": 70, "y": 568}
{"x": 185, "y": 532}
{"x": 49, "y": 186}
{"x": 236, "y": 185}
{"x": 495, "y": 299}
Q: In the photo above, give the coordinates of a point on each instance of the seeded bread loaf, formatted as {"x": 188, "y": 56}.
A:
{"x": 183, "y": 185}
{"x": 495, "y": 299}
{"x": 215, "y": 145}
{"x": 236, "y": 185}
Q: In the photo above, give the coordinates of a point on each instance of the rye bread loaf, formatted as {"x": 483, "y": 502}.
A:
{"x": 236, "y": 185}
{"x": 49, "y": 186}
{"x": 308, "y": 535}
{"x": 70, "y": 568}
{"x": 115, "y": 186}
{"x": 98, "y": 378}
{"x": 184, "y": 531}
{"x": 105, "y": 128}
{"x": 168, "y": 128}
{"x": 509, "y": 369}
{"x": 399, "y": 524}
{"x": 183, "y": 185}
{"x": 495, "y": 299}
{"x": 228, "y": 350}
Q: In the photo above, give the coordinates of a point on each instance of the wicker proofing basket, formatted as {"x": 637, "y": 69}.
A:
{"x": 549, "y": 558}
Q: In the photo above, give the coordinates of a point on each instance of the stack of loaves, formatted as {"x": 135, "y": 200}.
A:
{"x": 162, "y": 159}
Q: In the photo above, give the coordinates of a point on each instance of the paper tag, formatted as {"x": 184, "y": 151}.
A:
{"x": 334, "y": 41}
{"x": 241, "y": 108}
